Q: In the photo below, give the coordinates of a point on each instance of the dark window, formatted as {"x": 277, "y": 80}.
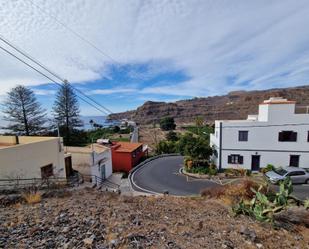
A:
{"x": 294, "y": 160}
{"x": 235, "y": 159}
{"x": 242, "y": 136}
{"x": 296, "y": 173}
{"x": 287, "y": 136}
{"x": 47, "y": 171}
{"x": 308, "y": 137}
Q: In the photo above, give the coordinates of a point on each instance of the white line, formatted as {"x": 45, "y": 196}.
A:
{"x": 134, "y": 183}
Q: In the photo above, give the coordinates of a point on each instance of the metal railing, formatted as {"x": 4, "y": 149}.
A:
{"x": 100, "y": 182}
{"x": 22, "y": 183}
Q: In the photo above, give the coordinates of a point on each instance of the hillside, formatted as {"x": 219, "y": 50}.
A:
{"x": 235, "y": 105}
{"x": 92, "y": 219}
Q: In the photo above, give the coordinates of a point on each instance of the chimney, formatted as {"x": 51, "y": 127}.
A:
{"x": 16, "y": 139}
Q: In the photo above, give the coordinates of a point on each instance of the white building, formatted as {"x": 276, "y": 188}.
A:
{"x": 90, "y": 161}
{"x": 277, "y": 135}
{"x": 32, "y": 157}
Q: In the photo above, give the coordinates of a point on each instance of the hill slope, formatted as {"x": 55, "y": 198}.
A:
{"x": 235, "y": 105}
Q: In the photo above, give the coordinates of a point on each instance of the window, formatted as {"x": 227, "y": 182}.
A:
{"x": 308, "y": 137}
{"x": 296, "y": 173}
{"x": 47, "y": 171}
{"x": 287, "y": 136}
{"x": 294, "y": 160}
{"x": 235, "y": 159}
{"x": 242, "y": 136}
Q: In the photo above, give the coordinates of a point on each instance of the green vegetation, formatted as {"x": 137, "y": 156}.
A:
{"x": 66, "y": 113}
{"x": 269, "y": 167}
{"x": 263, "y": 206}
{"x": 23, "y": 111}
{"x": 194, "y": 146}
{"x": 167, "y": 124}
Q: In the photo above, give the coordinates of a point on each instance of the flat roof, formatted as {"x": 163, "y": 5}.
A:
{"x": 10, "y": 141}
{"x": 5, "y": 145}
{"x": 127, "y": 146}
{"x": 98, "y": 148}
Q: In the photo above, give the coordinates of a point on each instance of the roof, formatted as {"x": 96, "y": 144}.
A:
{"x": 98, "y": 148}
{"x": 277, "y": 101}
{"x": 11, "y": 141}
{"x": 126, "y": 146}
{"x": 5, "y": 145}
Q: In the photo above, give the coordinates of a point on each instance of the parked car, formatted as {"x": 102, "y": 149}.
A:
{"x": 297, "y": 175}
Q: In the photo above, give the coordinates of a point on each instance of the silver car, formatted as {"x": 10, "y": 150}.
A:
{"x": 297, "y": 175}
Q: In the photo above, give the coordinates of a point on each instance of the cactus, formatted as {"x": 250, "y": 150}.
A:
{"x": 261, "y": 207}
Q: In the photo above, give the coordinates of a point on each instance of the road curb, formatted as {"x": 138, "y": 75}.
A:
{"x": 141, "y": 165}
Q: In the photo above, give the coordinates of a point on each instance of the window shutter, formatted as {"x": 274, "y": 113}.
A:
{"x": 280, "y": 138}
{"x": 294, "y": 136}
{"x": 240, "y": 159}
{"x": 229, "y": 159}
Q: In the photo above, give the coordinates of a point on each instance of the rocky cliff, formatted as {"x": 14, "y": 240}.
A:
{"x": 235, "y": 105}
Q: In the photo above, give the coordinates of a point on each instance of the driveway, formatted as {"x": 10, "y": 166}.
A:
{"x": 162, "y": 175}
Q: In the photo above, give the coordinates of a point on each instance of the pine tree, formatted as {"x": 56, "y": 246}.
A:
{"x": 23, "y": 111}
{"x": 66, "y": 111}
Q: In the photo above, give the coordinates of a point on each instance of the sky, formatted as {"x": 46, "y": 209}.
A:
{"x": 160, "y": 50}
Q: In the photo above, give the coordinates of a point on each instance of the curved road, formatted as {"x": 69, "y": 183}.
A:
{"x": 162, "y": 175}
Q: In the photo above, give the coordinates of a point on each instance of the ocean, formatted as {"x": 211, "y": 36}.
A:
{"x": 101, "y": 120}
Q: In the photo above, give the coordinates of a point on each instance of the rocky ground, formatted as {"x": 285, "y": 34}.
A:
{"x": 91, "y": 219}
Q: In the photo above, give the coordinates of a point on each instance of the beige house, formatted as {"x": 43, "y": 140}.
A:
{"x": 31, "y": 157}
{"x": 90, "y": 161}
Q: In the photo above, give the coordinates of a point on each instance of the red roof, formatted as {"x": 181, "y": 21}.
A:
{"x": 126, "y": 146}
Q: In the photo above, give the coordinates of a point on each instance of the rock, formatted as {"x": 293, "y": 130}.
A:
{"x": 89, "y": 241}
{"x": 249, "y": 234}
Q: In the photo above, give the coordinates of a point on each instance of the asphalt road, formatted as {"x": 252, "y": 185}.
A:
{"x": 134, "y": 136}
{"x": 162, "y": 175}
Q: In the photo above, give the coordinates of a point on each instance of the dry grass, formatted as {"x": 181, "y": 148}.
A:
{"x": 232, "y": 193}
{"x": 32, "y": 197}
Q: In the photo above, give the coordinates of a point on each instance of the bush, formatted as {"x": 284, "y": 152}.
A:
{"x": 171, "y": 136}
{"x": 233, "y": 193}
{"x": 166, "y": 147}
{"x": 237, "y": 172}
{"x": 167, "y": 124}
{"x": 32, "y": 197}
{"x": 269, "y": 167}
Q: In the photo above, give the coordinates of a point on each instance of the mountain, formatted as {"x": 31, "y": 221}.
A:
{"x": 234, "y": 105}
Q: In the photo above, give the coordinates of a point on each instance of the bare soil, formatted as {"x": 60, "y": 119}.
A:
{"x": 92, "y": 219}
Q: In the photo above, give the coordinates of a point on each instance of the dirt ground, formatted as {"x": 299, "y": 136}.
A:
{"x": 91, "y": 219}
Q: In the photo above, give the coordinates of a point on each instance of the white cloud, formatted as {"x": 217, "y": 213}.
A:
{"x": 111, "y": 91}
{"x": 44, "y": 92}
{"x": 258, "y": 44}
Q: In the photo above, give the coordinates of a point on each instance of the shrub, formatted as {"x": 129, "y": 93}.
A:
{"x": 167, "y": 124}
{"x": 171, "y": 136}
{"x": 236, "y": 172}
{"x": 269, "y": 167}
{"x": 233, "y": 193}
{"x": 32, "y": 197}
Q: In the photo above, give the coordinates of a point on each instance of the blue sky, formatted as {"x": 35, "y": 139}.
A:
{"x": 156, "y": 50}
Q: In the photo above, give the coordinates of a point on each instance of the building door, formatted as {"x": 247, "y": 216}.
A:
{"x": 294, "y": 160}
{"x": 103, "y": 175}
{"x": 255, "y": 162}
{"x": 68, "y": 166}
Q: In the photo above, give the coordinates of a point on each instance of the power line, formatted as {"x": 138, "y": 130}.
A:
{"x": 51, "y": 72}
{"x": 74, "y": 32}
{"x": 46, "y": 76}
